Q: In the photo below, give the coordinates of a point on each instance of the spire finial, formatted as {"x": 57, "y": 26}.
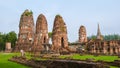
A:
{"x": 99, "y": 36}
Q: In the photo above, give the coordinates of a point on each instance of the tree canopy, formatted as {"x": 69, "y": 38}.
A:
{"x": 107, "y": 37}
{"x": 50, "y": 34}
{"x": 9, "y": 37}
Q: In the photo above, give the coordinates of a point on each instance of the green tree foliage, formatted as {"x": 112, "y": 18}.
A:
{"x": 112, "y": 37}
{"x": 9, "y": 37}
{"x": 107, "y": 37}
{"x": 93, "y": 37}
{"x": 50, "y": 34}
{"x": 29, "y": 13}
{"x": 2, "y": 41}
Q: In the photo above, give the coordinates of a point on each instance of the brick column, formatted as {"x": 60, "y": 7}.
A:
{"x": 94, "y": 50}
{"x": 111, "y": 50}
{"x": 116, "y": 50}
{"x": 104, "y": 50}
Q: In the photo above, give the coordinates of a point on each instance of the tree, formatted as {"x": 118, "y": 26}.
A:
{"x": 50, "y": 34}
{"x": 2, "y": 41}
{"x": 93, "y": 37}
{"x": 11, "y": 37}
{"x": 112, "y": 37}
{"x": 107, "y": 37}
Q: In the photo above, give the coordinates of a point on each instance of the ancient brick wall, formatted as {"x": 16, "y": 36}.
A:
{"x": 59, "y": 36}
{"x": 26, "y": 31}
{"x": 82, "y": 34}
{"x": 41, "y": 34}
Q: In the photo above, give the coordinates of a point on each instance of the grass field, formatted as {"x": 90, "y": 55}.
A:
{"x": 96, "y": 58}
{"x": 4, "y": 63}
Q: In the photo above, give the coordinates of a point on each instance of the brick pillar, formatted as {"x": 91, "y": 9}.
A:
{"x": 104, "y": 50}
{"x": 111, "y": 47}
{"x": 119, "y": 49}
{"x": 94, "y": 49}
{"x": 116, "y": 50}
{"x": 99, "y": 48}
{"x": 97, "y": 51}
{"x": 111, "y": 50}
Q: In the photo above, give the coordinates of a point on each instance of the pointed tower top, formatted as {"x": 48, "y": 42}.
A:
{"x": 98, "y": 31}
{"x": 99, "y": 36}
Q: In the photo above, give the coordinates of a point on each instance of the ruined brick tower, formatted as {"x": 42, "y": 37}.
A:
{"x": 41, "y": 35}
{"x": 82, "y": 34}
{"x": 59, "y": 36}
{"x": 26, "y": 31}
{"x": 99, "y": 36}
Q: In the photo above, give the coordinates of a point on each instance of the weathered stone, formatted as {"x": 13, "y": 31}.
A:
{"x": 8, "y": 47}
{"x": 90, "y": 59}
{"x": 41, "y": 35}
{"x": 39, "y": 41}
{"x": 58, "y": 63}
{"x": 116, "y": 63}
{"x": 100, "y": 46}
{"x": 26, "y": 31}
{"x": 59, "y": 36}
{"x": 82, "y": 34}
{"x": 99, "y": 36}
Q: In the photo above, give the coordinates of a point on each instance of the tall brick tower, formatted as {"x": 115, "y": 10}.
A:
{"x": 26, "y": 31}
{"x": 41, "y": 34}
{"x": 59, "y": 36}
{"x": 82, "y": 34}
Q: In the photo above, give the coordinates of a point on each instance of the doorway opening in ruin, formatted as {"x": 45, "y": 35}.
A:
{"x": 114, "y": 50}
{"x": 44, "y": 41}
{"x": 62, "y": 42}
{"x": 108, "y": 50}
{"x": 101, "y": 49}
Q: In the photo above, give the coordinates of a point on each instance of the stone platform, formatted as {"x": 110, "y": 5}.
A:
{"x": 56, "y": 63}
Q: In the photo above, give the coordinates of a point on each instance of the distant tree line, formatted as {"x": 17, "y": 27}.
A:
{"x": 9, "y": 37}
{"x": 107, "y": 37}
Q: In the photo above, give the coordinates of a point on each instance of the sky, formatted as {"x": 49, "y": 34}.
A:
{"x": 74, "y": 12}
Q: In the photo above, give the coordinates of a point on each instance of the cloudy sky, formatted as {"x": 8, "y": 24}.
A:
{"x": 74, "y": 12}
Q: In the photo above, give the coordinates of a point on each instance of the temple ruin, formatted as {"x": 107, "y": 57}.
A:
{"x": 100, "y": 46}
{"x": 8, "y": 47}
{"x": 99, "y": 36}
{"x": 82, "y": 34}
{"x": 59, "y": 36}
{"x": 26, "y": 31}
{"x": 41, "y": 34}
{"x": 37, "y": 40}
{"x": 104, "y": 47}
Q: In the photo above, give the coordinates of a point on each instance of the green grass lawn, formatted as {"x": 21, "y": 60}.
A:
{"x": 4, "y": 63}
{"x": 113, "y": 67}
{"x": 84, "y": 57}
